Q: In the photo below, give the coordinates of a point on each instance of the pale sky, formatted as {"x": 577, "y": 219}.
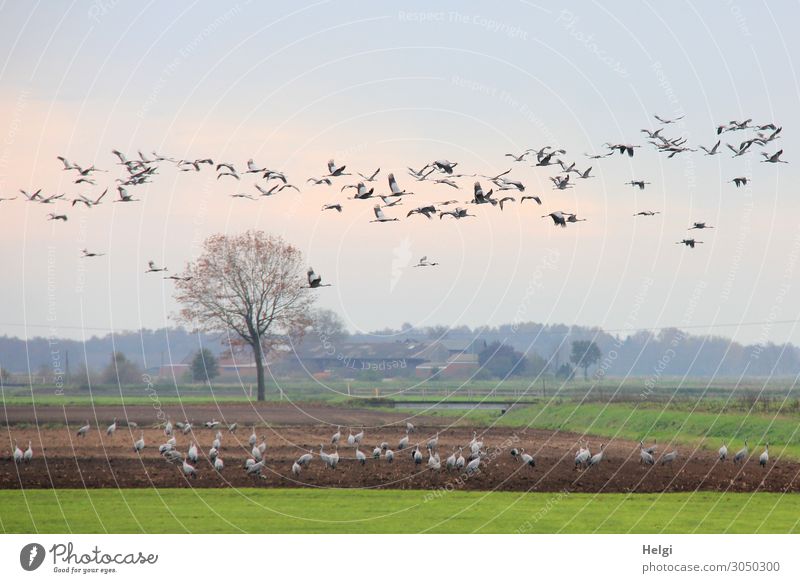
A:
{"x": 392, "y": 85}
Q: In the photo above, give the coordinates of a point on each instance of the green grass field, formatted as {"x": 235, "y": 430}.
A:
{"x": 402, "y": 388}
{"x": 339, "y": 511}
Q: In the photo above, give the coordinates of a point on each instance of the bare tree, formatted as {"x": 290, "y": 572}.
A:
{"x": 251, "y": 285}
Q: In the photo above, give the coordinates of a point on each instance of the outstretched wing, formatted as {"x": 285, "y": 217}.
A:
{"x": 393, "y": 185}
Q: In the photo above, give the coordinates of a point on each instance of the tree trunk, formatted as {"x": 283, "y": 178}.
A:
{"x": 259, "y": 358}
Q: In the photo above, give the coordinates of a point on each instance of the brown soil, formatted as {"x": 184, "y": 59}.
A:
{"x": 62, "y": 460}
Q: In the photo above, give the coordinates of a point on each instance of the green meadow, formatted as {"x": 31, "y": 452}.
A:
{"x": 254, "y": 510}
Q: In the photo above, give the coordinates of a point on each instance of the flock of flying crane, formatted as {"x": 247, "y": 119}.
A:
{"x": 441, "y": 172}
{"x": 255, "y": 465}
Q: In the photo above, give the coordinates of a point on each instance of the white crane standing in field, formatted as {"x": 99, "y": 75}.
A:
{"x": 670, "y": 457}
{"x": 475, "y": 446}
{"x": 333, "y": 459}
{"x": 168, "y": 428}
{"x": 219, "y": 465}
{"x": 762, "y": 459}
{"x": 376, "y": 452}
{"x": 527, "y": 458}
{"x": 460, "y": 461}
{"x": 651, "y": 449}
{"x": 360, "y": 457}
{"x": 253, "y": 439}
{"x": 138, "y": 445}
{"x": 17, "y": 454}
{"x": 28, "y": 455}
{"x": 434, "y": 463}
{"x": 256, "y": 453}
{"x": 188, "y": 469}
{"x": 305, "y": 459}
{"x": 193, "y": 452}
{"x": 723, "y": 453}
{"x": 582, "y": 456}
{"x": 296, "y": 469}
{"x": 645, "y": 456}
{"x": 326, "y": 459}
{"x": 475, "y": 451}
{"x": 112, "y": 428}
{"x": 336, "y": 436}
{"x": 82, "y": 431}
{"x": 450, "y": 462}
{"x": 403, "y": 442}
{"x": 389, "y": 455}
{"x": 598, "y": 457}
{"x": 433, "y": 442}
{"x": 255, "y": 468}
{"x": 741, "y": 455}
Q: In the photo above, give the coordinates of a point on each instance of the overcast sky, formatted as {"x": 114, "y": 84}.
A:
{"x": 392, "y": 85}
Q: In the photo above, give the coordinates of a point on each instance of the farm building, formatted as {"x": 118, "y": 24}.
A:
{"x": 346, "y": 359}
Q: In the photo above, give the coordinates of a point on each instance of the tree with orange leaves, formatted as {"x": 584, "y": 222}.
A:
{"x": 252, "y": 286}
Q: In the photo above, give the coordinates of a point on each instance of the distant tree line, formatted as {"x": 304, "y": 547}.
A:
{"x": 544, "y": 348}
{"x": 146, "y": 348}
{"x": 668, "y": 352}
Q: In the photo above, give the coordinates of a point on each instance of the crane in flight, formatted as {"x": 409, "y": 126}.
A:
{"x": 689, "y": 242}
{"x": 424, "y": 262}
{"x": 315, "y": 280}
{"x": 380, "y": 217}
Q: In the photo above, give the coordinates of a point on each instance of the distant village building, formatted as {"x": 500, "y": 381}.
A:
{"x": 348, "y": 359}
{"x": 231, "y": 367}
{"x": 449, "y": 360}
{"x": 344, "y": 359}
